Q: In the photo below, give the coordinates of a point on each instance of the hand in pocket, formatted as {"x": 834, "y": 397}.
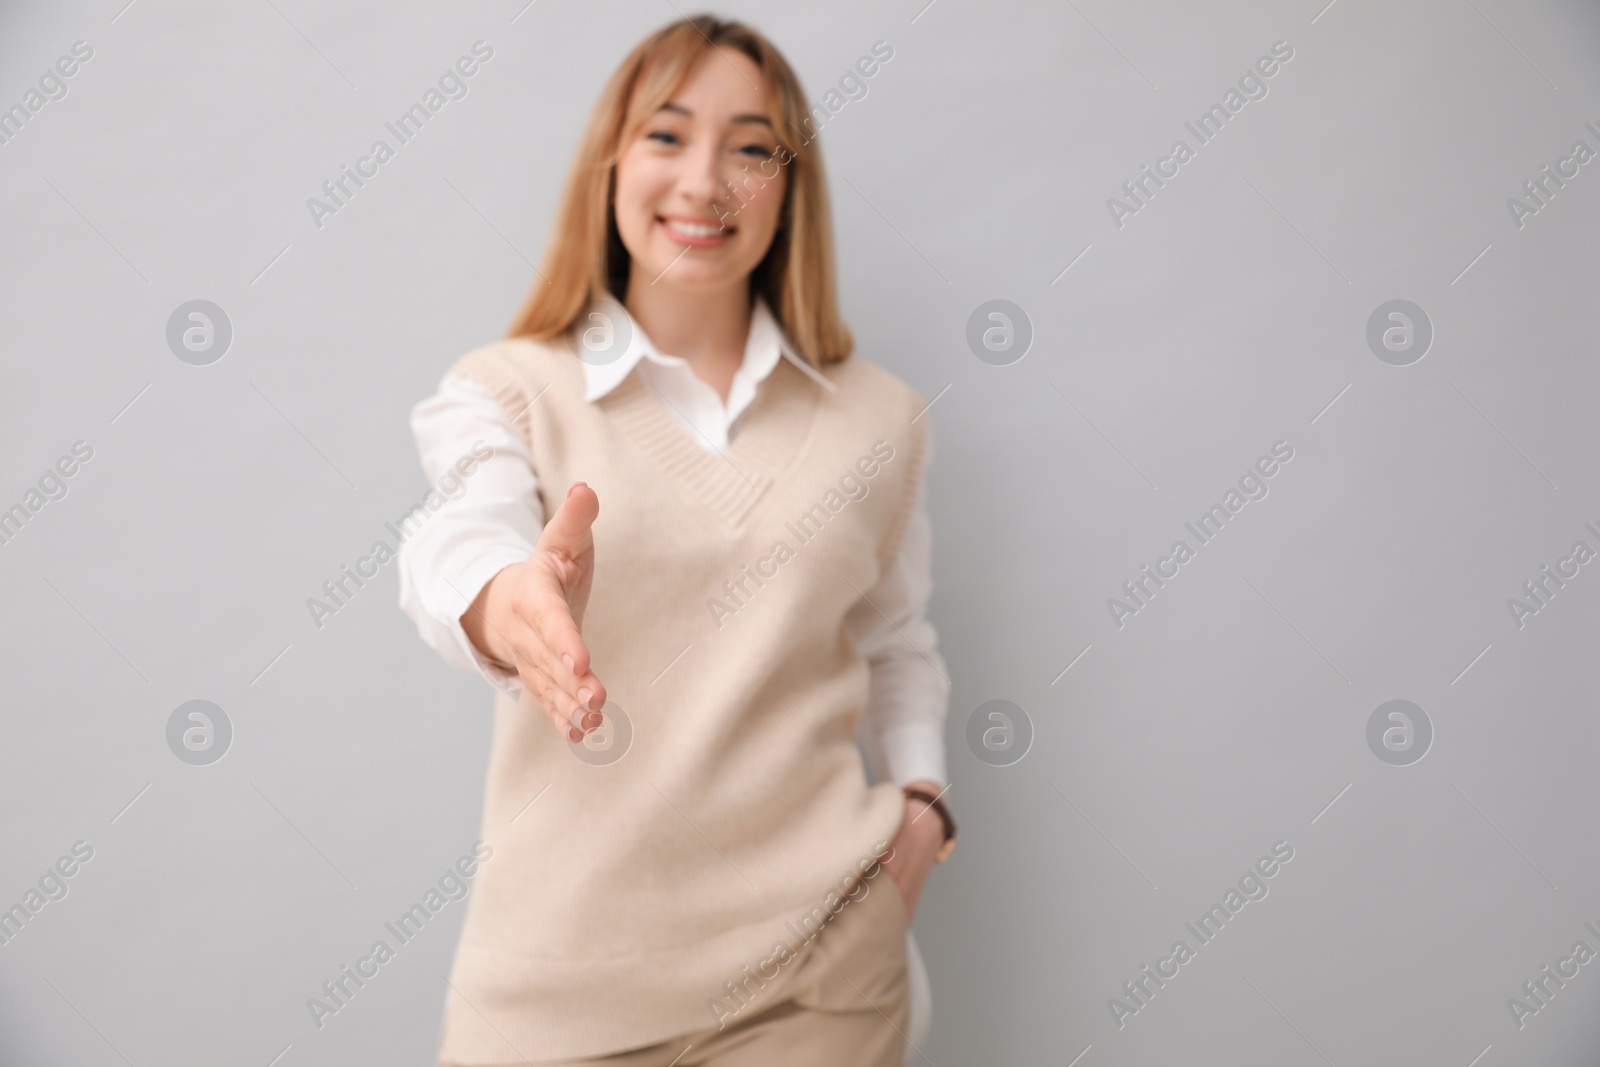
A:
{"x": 911, "y": 853}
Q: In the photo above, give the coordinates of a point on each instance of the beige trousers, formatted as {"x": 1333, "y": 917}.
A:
{"x": 847, "y": 1006}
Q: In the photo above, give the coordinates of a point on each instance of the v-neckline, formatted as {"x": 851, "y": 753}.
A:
{"x": 772, "y": 430}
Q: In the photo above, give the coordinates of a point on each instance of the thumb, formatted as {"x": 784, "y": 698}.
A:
{"x": 568, "y": 531}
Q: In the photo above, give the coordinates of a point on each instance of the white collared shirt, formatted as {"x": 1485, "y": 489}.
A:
{"x": 497, "y": 519}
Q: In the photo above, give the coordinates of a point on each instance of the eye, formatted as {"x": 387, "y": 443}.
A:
{"x": 666, "y": 137}
{"x": 757, "y": 151}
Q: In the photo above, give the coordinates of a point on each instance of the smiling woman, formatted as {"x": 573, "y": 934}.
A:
{"x": 638, "y": 892}
{"x": 649, "y": 124}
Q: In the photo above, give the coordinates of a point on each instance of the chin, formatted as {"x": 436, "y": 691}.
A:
{"x": 685, "y": 274}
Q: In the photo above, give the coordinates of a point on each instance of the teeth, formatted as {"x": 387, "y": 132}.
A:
{"x": 694, "y": 229}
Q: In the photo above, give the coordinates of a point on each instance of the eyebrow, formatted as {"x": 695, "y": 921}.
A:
{"x": 737, "y": 119}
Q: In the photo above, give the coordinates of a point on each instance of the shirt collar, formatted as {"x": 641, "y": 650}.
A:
{"x": 764, "y": 346}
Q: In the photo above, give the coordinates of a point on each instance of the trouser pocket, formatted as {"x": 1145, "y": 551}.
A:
{"x": 859, "y": 960}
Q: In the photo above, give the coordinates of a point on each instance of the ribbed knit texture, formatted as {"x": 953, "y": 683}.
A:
{"x": 620, "y": 903}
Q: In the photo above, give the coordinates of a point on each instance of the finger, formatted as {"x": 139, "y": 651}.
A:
{"x": 577, "y": 697}
{"x": 537, "y": 687}
{"x": 547, "y": 637}
{"x": 568, "y": 657}
{"x": 565, "y": 709}
{"x": 537, "y": 683}
{"x": 562, "y": 707}
{"x": 568, "y": 532}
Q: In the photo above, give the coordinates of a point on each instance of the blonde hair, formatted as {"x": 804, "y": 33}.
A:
{"x": 586, "y": 257}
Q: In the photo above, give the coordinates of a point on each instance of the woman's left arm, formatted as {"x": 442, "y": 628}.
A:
{"x": 903, "y": 728}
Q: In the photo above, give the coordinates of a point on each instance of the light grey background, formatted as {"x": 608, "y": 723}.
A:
{"x": 1228, "y": 314}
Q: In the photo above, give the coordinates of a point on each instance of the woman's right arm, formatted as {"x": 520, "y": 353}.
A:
{"x": 487, "y": 588}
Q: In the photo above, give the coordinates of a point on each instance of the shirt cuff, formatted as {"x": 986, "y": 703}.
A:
{"x": 470, "y": 584}
{"x": 912, "y": 751}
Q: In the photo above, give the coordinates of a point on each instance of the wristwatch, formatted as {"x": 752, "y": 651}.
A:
{"x": 937, "y": 805}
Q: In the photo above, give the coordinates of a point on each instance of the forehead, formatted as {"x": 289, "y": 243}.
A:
{"x": 724, "y": 84}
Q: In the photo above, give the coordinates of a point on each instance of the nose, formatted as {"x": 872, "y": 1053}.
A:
{"x": 701, "y": 182}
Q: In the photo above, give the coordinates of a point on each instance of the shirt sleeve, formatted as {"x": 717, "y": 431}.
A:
{"x": 490, "y": 518}
{"x": 903, "y": 728}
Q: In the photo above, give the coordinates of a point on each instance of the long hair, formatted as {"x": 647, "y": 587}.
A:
{"x": 586, "y": 257}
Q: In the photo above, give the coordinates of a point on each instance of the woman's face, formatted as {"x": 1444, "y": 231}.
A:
{"x": 700, "y": 189}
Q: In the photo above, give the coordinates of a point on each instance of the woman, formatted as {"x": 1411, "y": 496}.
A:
{"x": 685, "y": 862}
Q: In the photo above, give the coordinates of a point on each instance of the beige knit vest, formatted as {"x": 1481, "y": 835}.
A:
{"x": 625, "y": 901}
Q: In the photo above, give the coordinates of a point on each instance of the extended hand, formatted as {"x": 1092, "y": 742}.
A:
{"x": 529, "y": 614}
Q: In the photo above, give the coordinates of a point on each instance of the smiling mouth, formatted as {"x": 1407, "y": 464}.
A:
{"x": 696, "y": 232}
